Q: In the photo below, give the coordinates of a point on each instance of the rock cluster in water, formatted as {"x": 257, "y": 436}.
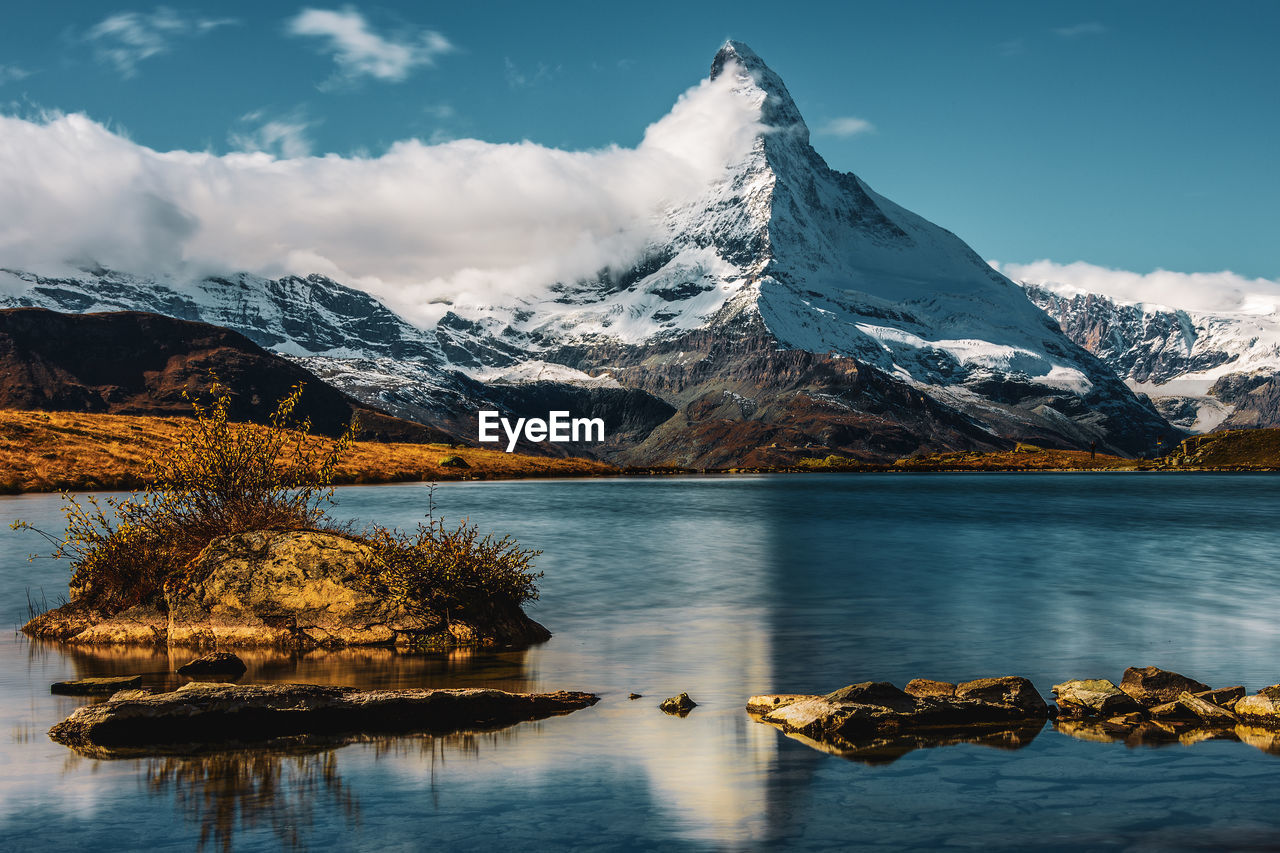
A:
{"x": 1152, "y": 706}
{"x": 878, "y": 721}
{"x": 876, "y": 716}
{"x": 295, "y": 589}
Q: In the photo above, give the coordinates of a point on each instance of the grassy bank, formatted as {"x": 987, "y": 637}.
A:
{"x": 49, "y": 451}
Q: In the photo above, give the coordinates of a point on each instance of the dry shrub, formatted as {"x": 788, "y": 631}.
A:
{"x": 450, "y": 571}
{"x": 222, "y": 478}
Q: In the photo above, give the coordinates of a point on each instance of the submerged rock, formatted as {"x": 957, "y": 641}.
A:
{"x": 679, "y": 705}
{"x": 1150, "y": 686}
{"x": 295, "y": 589}
{"x": 214, "y": 663}
{"x": 201, "y": 713}
{"x": 96, "y": 686}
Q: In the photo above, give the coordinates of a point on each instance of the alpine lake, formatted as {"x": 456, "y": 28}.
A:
{"x": 725, "y": 587}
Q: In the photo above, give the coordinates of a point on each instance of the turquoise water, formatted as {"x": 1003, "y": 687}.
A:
{"x": 725, "y": 588}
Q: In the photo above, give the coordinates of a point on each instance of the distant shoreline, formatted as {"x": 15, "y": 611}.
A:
{"x": 44, "y": 452}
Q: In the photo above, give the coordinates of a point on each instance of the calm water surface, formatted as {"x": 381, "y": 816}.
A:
{"x": 725, "y": 588}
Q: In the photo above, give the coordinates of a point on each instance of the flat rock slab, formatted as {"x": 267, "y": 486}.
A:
{"x": 202, "y": 713}
{"x": 96, "y": 686}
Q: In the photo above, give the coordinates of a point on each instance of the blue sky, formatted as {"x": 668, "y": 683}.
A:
{"x": 1133, "y": 135}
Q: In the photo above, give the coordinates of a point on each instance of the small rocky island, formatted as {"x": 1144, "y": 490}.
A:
{"x": 285, "y": 588}
{"x": 229, "y": 545}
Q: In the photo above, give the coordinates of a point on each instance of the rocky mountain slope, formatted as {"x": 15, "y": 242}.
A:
{"x": 131, "y": 363}
{"x": 1202, "y": 370}
{"x": 789, "y": 310}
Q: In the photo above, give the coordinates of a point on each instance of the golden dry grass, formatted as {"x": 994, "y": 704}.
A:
{"x": 49, "y": 451}
{"x": 1038, "y": 459}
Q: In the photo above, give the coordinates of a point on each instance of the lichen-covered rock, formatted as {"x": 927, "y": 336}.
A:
{"x": 201, "y": 713}
{"x": 1260, "y": 709}
{"x": 1093, "y": 697}
{"x": 296, "y": 589}
{"x": 214, "y": 664}
{"x": 1150, "y": 686}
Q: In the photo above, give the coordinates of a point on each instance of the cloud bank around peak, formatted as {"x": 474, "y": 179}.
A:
{"x": 465, "y": 220}
{"x": 1211, "y": 292}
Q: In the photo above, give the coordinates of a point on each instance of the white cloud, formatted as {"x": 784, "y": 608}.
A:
{"x": 127, "y": 38}
{"x": 1089, "y": 28}
{"x": 12, "y": 74}
{"x": 846, "y": 126}
{"x": 465, "y": 220}
{"x": 283, "y": 136}
{"x": 360, "y": 52}
{"x": 1224, "y": 291}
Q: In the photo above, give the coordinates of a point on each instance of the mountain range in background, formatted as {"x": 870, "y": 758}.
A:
{"x": 1202, "y": 370}
{"x": 788, "y": 312}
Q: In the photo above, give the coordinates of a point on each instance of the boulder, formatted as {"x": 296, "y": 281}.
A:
{"x": 200, "y": 713}
{"x": 880, "y": 694}
{"x": 214, "y": 664}
{"x": 928, "y": 687}
{"x": 291, "y": 589}
{"x": 1093, "y": 697}
{"x": 679, "y": 705}
{"x": 96, "y": 686}
{"x": 1150, "y": 686}
{"x": 1011, "y": 690}
{"x": 1260, "y": 709}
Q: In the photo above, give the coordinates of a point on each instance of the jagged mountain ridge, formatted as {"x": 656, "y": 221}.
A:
{"x": 788, "y": 310}
{"x": 1204, "y": 370}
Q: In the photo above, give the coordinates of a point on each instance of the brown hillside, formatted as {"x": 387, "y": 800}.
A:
{"x": 49, "y": 451}
{"x": 1237, "y": 449}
